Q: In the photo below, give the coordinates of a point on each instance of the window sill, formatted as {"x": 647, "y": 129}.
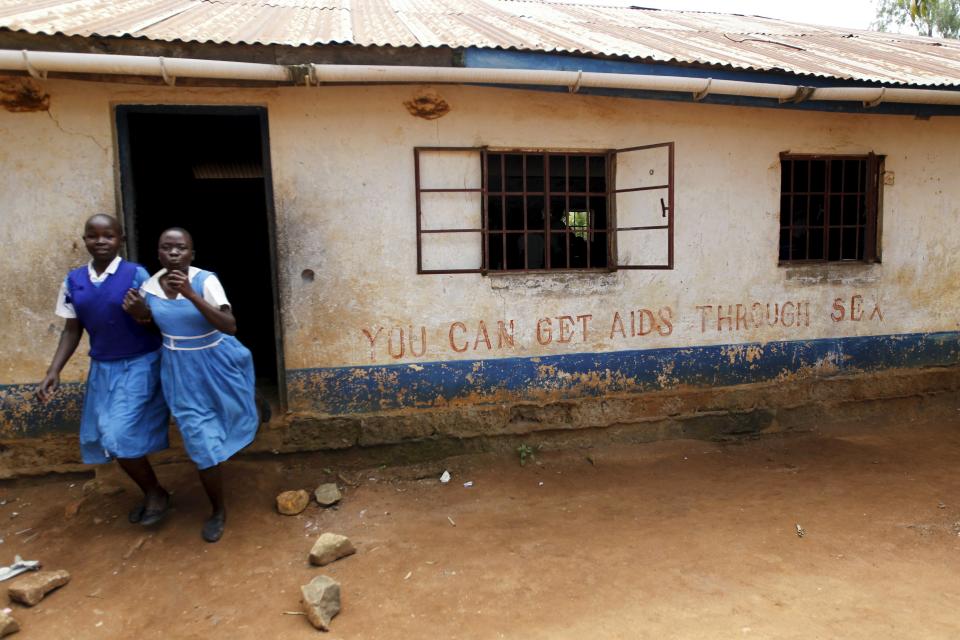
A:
{"x": 556, "y": 282}
{"x": 843, "y": 273}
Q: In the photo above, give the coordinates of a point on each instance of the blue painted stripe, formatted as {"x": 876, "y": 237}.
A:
{"x": 365, "y": 389}
{"x": 22, "y": 415}
{"x": 499, "y": 59}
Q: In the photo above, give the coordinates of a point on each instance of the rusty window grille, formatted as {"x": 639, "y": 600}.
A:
{"x": 829, "y": 207}
{"x": 483, "y": 211}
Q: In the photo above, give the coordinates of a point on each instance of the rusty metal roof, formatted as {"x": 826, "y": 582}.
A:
{"x": 732, "y": 41}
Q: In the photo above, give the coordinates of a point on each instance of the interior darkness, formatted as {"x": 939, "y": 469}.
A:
{"x": 823, "y": 209}
{"x": 192, "y": 170}
{"x": 546, "y": 211}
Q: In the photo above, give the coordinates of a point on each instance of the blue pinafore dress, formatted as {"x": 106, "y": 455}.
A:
{"x": 208, "y": 380}
{"x": 124, "y": 414}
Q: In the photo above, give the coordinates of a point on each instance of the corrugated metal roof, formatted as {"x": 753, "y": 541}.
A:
{"x": 734, "y": 41}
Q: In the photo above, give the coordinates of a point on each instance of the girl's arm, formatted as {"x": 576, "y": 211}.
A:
{"x": 69, "y": 339}
{"x": 222, "y": 319}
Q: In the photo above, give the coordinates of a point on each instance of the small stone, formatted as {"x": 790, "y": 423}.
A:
{"x": 330, "y": 547}
{"x": 290, "y": 503}
{"x": 72, "y": 509}
{"x": 327, "y": 494}
{"x": 321, "y": 601}
{"x": 7, "y": 624}
{"x": 31, "y": 589}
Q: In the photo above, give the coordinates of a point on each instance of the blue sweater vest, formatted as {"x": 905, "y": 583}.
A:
{"x": 114, "y": 335}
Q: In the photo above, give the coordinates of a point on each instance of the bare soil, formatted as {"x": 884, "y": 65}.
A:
{"x": 683, "y": 539}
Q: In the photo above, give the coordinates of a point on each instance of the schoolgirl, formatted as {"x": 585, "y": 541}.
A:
{"x": 207, "y": 374}
{"x": 124, "y": 415}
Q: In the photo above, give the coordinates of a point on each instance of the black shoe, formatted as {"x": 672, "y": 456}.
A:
{"x": 213, "y": 527}
{"x": 153, "y": 516}
{"x": 136, "y": 514}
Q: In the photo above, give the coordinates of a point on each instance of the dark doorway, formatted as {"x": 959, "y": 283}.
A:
{"x": 207, "y": 169}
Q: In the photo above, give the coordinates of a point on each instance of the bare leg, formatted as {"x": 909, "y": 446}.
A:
{"x": 141, "y": 472}
{"x": 212, "y": 481}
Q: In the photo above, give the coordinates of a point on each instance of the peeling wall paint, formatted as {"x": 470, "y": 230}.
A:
{"x": 342, "y": 160}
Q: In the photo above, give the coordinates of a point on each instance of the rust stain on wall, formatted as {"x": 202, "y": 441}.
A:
{"x": 23, "y": 95}
{"x": 427, "y": 105}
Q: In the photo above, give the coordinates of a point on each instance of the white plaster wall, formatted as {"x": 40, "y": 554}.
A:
{"x": 344, "y": 187}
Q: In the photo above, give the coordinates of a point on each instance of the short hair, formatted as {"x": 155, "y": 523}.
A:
{"x": 107, "y": 217}
{"x": 180, "y": 230}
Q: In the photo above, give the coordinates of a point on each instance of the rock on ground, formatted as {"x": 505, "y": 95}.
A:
{"x": 7, "y": 624}
{"x": 290, "y": 503}
{"x": 327, "y": 494}
{"x": 330, "y": 547}
{"x": 31, "y": 589}
{"x": 321, "y": 601}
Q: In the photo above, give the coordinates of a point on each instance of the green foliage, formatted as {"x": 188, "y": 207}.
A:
{"x": 525, "y": 452}
{"x": 930, "y": 17}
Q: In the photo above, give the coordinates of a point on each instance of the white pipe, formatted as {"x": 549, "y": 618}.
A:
{"x": 41, "y": 62}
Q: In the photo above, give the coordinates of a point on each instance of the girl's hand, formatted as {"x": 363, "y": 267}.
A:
{"x": 179, "y": 282}
{"x": 136, "y": 306}
{"x": 47, "y": 387}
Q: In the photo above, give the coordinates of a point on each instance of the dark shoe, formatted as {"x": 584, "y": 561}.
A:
{"x": 136, "y": 514}
{"x": 153, "y": 516}
{"x": 213, "y": 528}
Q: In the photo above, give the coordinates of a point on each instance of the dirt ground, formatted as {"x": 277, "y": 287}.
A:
{"x": 682, "y": 539}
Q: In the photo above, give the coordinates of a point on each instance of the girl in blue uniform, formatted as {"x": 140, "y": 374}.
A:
{"x": 124, "y": 415}
{"x": 207, "y": 375}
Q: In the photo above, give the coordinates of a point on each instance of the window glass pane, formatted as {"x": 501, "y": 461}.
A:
{"x": 577, "y": 202}
{"x": 785, "y": 211}
{"x": 833, "y": 244}
{"x": 444, "y": 251}
{"x": 818, "y": 178}
{"x": 449, "y": 169}
{"x": 800, "y": 204}
{"x": 817, "y": 210}
{"x": 850, "y": 213}
{"x": 514, "y": 212}
{"x": 536, "y": 251}
{"x": 849, "y": 244}
{"x": 558, "y": 173}
{"x": 558, "y": 208}
{"x": 862, "y": 209}
{"x": 798, "y": 237}
{"x": 495, "y": 252}
{"x": 535, "y": 212}
{"x": 450, "y": 210}
{"x": 801, "y": 176}
{"x": 495, "y": 212}
{"x": 642, "y": 248}
{"x": 836, "y": 206}
{"x": 815, "y": 244}
{"x": 515, "y": 251}
{"x": 598, "y": 205}
{"x": 494, "y": 174}
{"x": 836, "y": 176}
{"x": 786, "y": 169}
{"x": 598, "y": 250}
{"x": 852, "y": 174}
{"x": 598, "y": 174}
{"x": 535, "y": 173}
{"x": 785, "y": 244}
{"x": 578, "y": 174}
{"x": 513, "y": 178}
{"x": 558, "y": 250}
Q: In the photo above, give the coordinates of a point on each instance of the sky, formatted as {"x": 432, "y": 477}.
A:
{"x": 853, "y": 14}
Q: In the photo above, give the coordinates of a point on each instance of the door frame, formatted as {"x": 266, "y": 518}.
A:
{"x": 127, "y": 203}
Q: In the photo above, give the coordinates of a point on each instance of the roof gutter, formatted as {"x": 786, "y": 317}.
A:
{"x": 39, "y": 63}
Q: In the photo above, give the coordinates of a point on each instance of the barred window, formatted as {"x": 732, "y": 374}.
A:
{"x": 829, "y": 207}
{"x": 487, "y": 211}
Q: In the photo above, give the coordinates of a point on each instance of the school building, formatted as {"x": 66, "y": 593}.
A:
{"x": 443, "y": 221}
